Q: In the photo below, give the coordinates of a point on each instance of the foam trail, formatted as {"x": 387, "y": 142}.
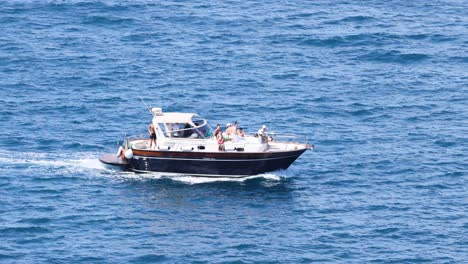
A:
{"x": 196, "y": 179}
{"x": 88, "y": 162}
{"x": 91, "y": 163}
{"x": 33, "y": 159}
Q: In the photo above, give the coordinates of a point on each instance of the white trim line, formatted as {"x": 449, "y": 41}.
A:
{"x": 213, "y": 159}
{"x": 174, "y": 174}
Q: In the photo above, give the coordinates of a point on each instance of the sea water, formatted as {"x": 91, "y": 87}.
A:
{"x": 380, "y": 88}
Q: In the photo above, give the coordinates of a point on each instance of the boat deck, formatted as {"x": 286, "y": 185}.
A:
{"x": 212, "y": 146}
{"x": 112, "y": 159}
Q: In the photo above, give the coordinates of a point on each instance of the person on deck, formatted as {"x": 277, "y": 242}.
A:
{"x": 235, "y": 127}
{"x": 262, "y": 133}
{"x": 240, "y": 135}
{"x": 231, "y": 131}
{"x": 152, "y": 134}
{"x": 217, "y": 130}
{"x": 220, "y": 139}
{"x": 241, "y": 132}
{"x": 228, "y": 129}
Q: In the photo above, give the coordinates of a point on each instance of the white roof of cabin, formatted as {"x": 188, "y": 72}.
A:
{"x": 174, "y": 118}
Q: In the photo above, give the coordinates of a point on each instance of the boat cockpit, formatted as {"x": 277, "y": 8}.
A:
{"x": 181, "y": 125}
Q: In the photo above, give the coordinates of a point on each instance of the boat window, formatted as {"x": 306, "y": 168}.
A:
{"x": 179, "y": 130}
{"x": 187, "y": 131}
{"x": 166, "y": 129}
{"x": 171, "y": 129}
{"x": 199, "y": 129}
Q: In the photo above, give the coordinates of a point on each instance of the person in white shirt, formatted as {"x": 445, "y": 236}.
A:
{"x": 262, "y": 131}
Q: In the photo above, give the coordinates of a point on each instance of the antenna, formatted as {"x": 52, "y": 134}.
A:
{"x": 146, "y": 105}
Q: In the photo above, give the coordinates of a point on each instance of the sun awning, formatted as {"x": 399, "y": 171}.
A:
{"x": 174, "y": 118}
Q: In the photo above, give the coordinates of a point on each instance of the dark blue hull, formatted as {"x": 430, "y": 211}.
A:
{"x": 214, "y": 165}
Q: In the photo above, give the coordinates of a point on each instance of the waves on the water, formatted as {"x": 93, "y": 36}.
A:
{"x": 379, "y": 87}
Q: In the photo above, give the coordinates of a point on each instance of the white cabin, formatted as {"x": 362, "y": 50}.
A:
{"x": 190, "y": 132}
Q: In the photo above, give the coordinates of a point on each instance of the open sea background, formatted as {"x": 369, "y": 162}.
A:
{"x": 380, "y": 87}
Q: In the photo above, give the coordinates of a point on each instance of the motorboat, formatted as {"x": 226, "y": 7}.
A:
{"x": 186, "y": 145}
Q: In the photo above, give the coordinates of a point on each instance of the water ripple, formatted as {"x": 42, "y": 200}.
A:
{"x": 379, "y": 88}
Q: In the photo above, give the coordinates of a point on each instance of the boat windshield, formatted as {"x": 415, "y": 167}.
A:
{"x": 200, "y": 129}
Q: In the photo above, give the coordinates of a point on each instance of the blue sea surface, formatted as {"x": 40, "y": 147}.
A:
{"x": 380, "y": 88}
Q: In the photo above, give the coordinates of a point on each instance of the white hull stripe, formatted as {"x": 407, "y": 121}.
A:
{"x": 213, "y": 159}
{"x": 180, "y": 174}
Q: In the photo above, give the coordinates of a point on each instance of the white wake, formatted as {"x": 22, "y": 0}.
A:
{"x": 88, "y": 163}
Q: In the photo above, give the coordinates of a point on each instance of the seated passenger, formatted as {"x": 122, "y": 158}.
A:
{"x": 228, "y": 128}
{"x": 228, "y": 134}
{"x": 241, "y": 132}
{"x": 235, "y": 127}
{"x": 231, "y": 131}
{"x": 240, "y": 136}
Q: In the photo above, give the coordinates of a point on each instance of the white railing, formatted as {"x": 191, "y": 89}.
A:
{"x": 271, "y": 137}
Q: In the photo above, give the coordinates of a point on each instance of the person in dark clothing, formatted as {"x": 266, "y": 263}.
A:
{"x": 152, "y": 134}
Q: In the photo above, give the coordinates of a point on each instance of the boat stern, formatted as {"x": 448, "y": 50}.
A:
{"x": 113, "y": 160}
